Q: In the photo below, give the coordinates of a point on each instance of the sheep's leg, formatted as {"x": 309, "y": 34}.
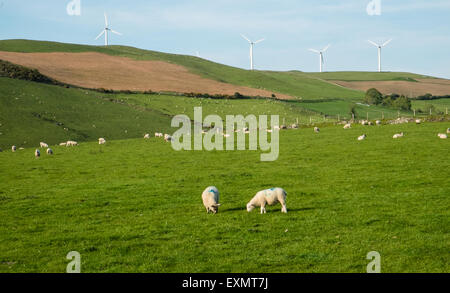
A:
{"x": 263, "y": 209}
{"x": 283, "y": 208}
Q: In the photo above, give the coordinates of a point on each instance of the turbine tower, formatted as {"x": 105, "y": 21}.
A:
{"x": 320, "y": 55}
{"x": 106, "y": 30}
{"x": 379, "y": 51}
{"x": 251, "y": 49}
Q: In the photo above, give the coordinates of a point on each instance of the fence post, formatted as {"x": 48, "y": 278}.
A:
{"x": 382, "y": 115}
{"x": 414, "y": 112}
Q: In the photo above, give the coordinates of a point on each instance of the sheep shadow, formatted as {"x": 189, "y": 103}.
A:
{"x": 268, "y": 210}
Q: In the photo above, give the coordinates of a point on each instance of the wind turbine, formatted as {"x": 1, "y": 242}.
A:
{"x": 320, "y": 55}
{"x": 379, "y": 51}
{"x": 106, "y": 30}
{"x": 251, "y": 49}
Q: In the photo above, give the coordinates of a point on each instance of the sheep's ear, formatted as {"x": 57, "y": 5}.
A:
{"x": 216, "y": 205}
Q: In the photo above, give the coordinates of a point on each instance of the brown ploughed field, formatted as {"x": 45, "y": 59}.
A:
{"x": 96, "y": 70}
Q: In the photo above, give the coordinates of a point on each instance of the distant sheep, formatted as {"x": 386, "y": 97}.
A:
{"x": 378, "y": 122}
{"x": 71, "y": 143}
{"x": 347, "y": 126}
{"x": 63, "y": 144}
{"x": 364, "y": 122}
{"x": 210, "y": 197}
{"x": 294, "y": 126}
{"x": 158, "y": 134}
{"x": 13, "y": 148}
{"x": 418, "y": 121}
{"x": 49, "y": 151}
{"x": 316, "y": 129}
{"x": 362, "y": 137}
{"x": 398, "y": 135}
{"x": 442, "y": 136}
{"x": 448, "y": 130}
{"x": 270, "y": 197}
{"x": 167, "y": 137}
{"x": 101, "y": 140}
{"x": 43, "y": 145}
{"x": 147, "y": 136}
{"x": 37, "y": 153}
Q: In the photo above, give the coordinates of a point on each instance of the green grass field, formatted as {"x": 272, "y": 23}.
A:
{"x": 135, "y": 205}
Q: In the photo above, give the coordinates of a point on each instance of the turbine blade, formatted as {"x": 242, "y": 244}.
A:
{"x": 326, "y": 48}
{"x": 259, "y": 41}
{"x": 386, "y": 43}
{"x": 246, "y": 38}
{"x": 117, "y": 33}
{"x": 373, "y": 43}
{"x": 106, "y": 20}
{"x": 312, "y": 50}
{"x": 101, "y": 34}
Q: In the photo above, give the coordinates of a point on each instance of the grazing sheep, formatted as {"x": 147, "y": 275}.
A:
{"x": 398, "y": 135}
{"x": 13, "y": 148}
{"x": 37, "y": 153}
{"x": 418, "y": 121}
{"x": 378, "y": 122}
{"x": 364, "y": 122}
{"x": 270, "y": 197}
{"x": 347, "y": 126}
{"x": 101, "y": 140}
{"x": 370, "y": 123}
{"x": 276, "y": 127}
{"x": 442, "y": 136}
{"x": 316, "y": 129}
{"x": 294, "y": 126}
{"x": 362, "y": 137}
{"x": 210, "y": 197}
{"x": 43, "y": 145}
{"x": 167, "y": 137}
{"x": 71, "y": 143}
{"x": 269, "y": 130}
{"x": 147, "y": 136}
{"x": 49, "y": 151}
{"x": 63, "y": 144}
{"x": 283, "y": 127}
{"x": 448, "y": 130}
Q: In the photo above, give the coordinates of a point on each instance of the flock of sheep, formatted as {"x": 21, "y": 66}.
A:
{"x": 272, "y": 196}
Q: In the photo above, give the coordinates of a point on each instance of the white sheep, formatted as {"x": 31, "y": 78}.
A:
{"x": 147, "y": 136}
{"x": 37, "y": 153}
{"x": 294, "y": 126}
{"x": 316, "y": 129}
{"x": 364, "y": 122}
{"x": 347, "y": 126}
{"x": 101, "y": 140}
{"x": 63, "y": 144}
{"x": 270, "y": 197}
{"x": 442, "y": 136}
{"x": 167, "y": 137}
{"x": 448, "y": 130}
{"x": 398, "y": 135}
{"x": 362, "y": 137}
{"x": 378, "y": 122}
{"x": 210, "y": 197}
{"x": 49, "y": 151}
{"x": 71, "y": 143}
{"x": 43, "y": 145}
{"x": 418, "y": 121}
{"x": 13, "y": 148}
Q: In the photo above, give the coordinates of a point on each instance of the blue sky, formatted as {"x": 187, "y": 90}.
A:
{"x": 420, "y": 29}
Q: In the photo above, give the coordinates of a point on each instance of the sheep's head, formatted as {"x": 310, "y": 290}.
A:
{"x": 250, "y": 207}
{"x": 215, "y": 208}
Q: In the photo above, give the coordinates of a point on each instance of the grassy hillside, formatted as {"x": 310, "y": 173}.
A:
{"x": 135, "y": 205}
{"x": 297, "y": 85}
{"x": 32, "y": 112}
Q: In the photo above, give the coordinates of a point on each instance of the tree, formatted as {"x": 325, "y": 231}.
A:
{"x": 373, "y": 97}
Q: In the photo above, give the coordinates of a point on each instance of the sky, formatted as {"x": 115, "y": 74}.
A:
{"x": 420, "y": 30}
